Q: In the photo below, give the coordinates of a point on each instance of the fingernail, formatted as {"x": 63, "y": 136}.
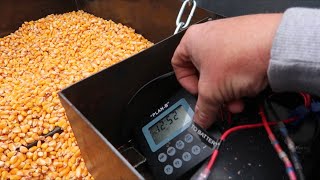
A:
{"x": 200, "y": 118}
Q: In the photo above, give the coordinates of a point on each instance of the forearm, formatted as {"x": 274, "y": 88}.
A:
{"x": 295, "y": 55}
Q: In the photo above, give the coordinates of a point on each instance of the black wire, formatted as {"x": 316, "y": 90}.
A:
{"x": 57, "y": 129}
{"x": 153, "y": 80}
{"x": 126, "y": 112}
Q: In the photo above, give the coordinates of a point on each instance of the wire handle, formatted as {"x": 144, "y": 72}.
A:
{"x": 180, "y": 24}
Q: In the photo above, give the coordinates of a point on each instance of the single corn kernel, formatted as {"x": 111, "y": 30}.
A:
{"x": 44, "y": 146}
{"x": 23, "y": 149}
{"x": 14, "y": 171}
{"x": 41, "y": 162}
{"x": 35, "y": 156}
{"x": 33, "y": 149}
{"x": 16, "y": 139}
{"x": 64, "y": 171}
{"x": 12, "y": 147}
{"x": 4, "y": 174}
{"x": 11, "y": 153}
{"x": 29, "y": 155}
{"x": 1, "y": 164}
{"x": 13, "y": 159}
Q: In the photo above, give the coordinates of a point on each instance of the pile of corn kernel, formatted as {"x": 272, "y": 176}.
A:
{"x": 37, "y": 61}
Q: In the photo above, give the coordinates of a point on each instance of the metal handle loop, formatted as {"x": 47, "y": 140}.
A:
{"x": 179, "y": 27}
{"x": 180, "y": 24}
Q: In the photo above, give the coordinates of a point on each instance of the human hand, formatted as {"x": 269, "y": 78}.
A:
{"x": 225, "y": 60}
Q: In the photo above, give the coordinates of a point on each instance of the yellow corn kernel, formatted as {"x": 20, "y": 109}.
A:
{"x": 4, "y": 174}
{"x": 41, "y": 162}
{"x": 14, "y": 177}
{"x": 29, "y": 140}
{"x": 14, "y": 171}
{"x": 35, "y": 156}
{"x": 16, "y": 139}
{"x": 26, "y": 166}
{"x": 13, "y": 159}
{"x": 44, "y": 146}
{"x": 16, "y": 164}
{"x": 33, "y": 149}
{"x": 11, "y": 153}
{"x": 12, "y": 147}
{"x": 23, "y": 149}
{"x": 64, "y": 171}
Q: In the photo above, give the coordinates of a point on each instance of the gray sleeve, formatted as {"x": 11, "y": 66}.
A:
{"x": 295, "y": 53}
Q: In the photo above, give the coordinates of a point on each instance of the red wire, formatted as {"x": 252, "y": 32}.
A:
{"x": 306, "y": 99}
{"x": 212, "y": 159}
{"x": 277, "y": 147}
{"x": 250, "y": 126}
{"x": 231, "y": 130}
{"x": 307, "y": 102}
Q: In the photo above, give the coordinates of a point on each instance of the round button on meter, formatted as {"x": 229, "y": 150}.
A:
{"x": 186, "y": 156}
{"x": 179, "y": 144}
{"x": 195, "y": 150}
{"x": 188, "y": 138}
{"x": 162, "y": 157}
{"x": 171, "y": 151}
{"x": 168, "y": 169}
{"x": 177, "y": 163}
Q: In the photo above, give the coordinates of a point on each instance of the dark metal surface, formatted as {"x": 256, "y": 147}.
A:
{"x": 14, "y": 12}
{"x": 229, "y": 8}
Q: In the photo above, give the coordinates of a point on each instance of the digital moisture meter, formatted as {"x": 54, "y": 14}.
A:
{"x": 169, "y": 139}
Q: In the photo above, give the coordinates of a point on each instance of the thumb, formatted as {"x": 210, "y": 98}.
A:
{"x": 205, "y": 111}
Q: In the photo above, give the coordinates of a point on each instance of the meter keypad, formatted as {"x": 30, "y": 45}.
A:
{"x": 179, "y": 153}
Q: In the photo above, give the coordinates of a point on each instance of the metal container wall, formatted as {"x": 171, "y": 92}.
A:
{"x": 155, "y": 20}
{"x": 14, "y": 12}
{"x": 94, "y": 105}
{"x": 229, "y": 8}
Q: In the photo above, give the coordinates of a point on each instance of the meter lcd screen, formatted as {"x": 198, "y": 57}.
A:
{"x": 172, "y": 122}
{"x": 169, "y": 124}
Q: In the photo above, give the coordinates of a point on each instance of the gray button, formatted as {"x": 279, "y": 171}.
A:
{"x": 186, "y": 156}
{"x": 180, "y": 144}
{"x": 171, "y": 151}
{"x": 177, "y": 163}
{"x": 195, "y": 150}
{"x": 162, "y": 157}
{"x": 188, "y": 138}
{"x": 168, "y": 169}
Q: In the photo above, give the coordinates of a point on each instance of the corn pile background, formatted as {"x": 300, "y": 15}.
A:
{"x": 38, "y": 60}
